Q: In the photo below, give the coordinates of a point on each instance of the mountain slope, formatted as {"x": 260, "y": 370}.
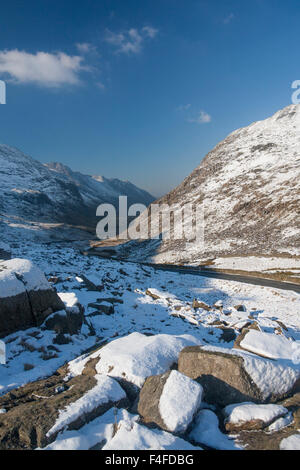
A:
{"x": 32, "y": 193}
{"x": 249, "y": 185}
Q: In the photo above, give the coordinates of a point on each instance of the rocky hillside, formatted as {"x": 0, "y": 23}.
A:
{"x": 32, "y": 194}
{"x": 249, "y": 185}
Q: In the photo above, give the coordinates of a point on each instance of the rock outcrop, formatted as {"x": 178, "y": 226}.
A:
{"x": 26, "y": 297}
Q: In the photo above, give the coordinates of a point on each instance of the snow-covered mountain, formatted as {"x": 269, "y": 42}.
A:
{"x": 32, "y": 193}
{"x": 250, "y": 187}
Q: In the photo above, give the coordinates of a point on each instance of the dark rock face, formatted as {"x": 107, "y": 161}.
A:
{"x": 221, "y": 375}
{"x": 4, "y": 254}
{"x": 148, "y": 405}
{"x": 66, "y": 322}
{"x": 27, "y": 309}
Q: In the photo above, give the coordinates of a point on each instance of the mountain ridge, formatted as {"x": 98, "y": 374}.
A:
{"x": 35, "y": 193}
{"x": 249, "y": 185}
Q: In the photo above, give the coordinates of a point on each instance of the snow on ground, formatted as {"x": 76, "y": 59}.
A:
{"x": 291, "y": 443}
{"x": 139, "y": 437}
{"x": 206, "y": 432}
{"x": 98, "y": 431}
{"x": 280, "y": 423}
{"x": 258, "y": 263}
{"x": 245, "y": 412}
{"x": 135, "y": 311}
{"x": 179, "y": 401}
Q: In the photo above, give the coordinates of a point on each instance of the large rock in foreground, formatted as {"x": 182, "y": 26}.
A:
{"x": 231, "y": 376}
{"x": 26, "y": 297}
{"x": 170, "y": 400}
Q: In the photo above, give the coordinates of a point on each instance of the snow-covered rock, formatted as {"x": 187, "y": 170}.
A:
{"x": 280, "y": 423}
{"x": 269, "y": 345}
{"x": 251, "y": 416}
{"x": 137, "y": 437}
{"x": 137, "y": 356}
{"x": 106, "y": 391}
{"x": 206, "y": 431}
{"x": 179, "y": 401}
{"x": 170, "y": 400}
{"x": 97, "y": 432}
{"x": 233, "y": 376}
{"x": 291, "y": 443}
{"x": 26, "y": 296}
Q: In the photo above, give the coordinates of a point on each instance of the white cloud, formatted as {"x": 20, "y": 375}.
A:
{"x": 86, "y": 47}
{"x": 42, "y": 68}
{"x": 201, "y": 118}
{"x": 184, "y": 107}
{"x": 229, "y": 18}
{"x": 150, "y": 32}
{"x": 131, "y": 41}
{"x": 100, "y": 85}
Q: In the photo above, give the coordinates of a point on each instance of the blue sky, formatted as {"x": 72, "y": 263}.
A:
{"x": 142, "y": 89}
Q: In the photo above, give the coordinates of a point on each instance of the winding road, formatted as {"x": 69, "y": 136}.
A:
{"x": 257, "y": 281}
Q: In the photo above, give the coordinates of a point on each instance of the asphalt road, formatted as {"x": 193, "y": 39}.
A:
{"x": 257, "y": 281}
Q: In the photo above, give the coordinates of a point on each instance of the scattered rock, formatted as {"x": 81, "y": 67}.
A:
{"x": 218, "y": 305}
{"x": 91, "y": 285}
{"x": 54, "y": 279}
{"x": 228, "y": 334}
{"x": 60, "y": 338}
{"x": 67, "y": 321}
{"x": 246, "y": 328}
{"x": 196, "y": 304}
{"x": 152, "y": 294}
{"x": 111, "y": 300}
{"x": 240, "y": 308}
{"x": 107, "y": 309}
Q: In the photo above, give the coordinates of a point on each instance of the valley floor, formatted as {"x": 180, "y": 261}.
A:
{"x": 145, "y": 300}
